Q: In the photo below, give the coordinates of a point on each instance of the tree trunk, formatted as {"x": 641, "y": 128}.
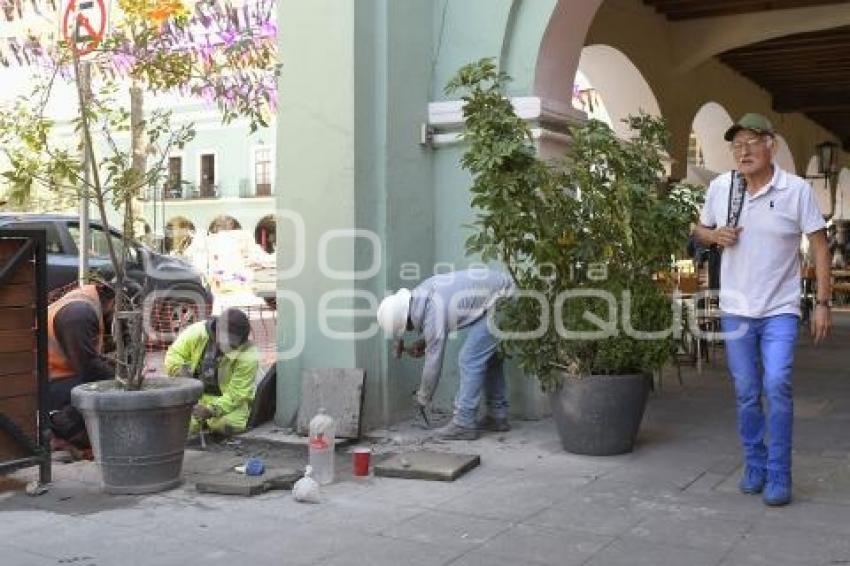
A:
{"x": 139, "y": 152}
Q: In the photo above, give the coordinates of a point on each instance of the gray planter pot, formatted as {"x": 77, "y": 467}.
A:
{"x": 600, "y": 415}
{"x": 138, "y": 437}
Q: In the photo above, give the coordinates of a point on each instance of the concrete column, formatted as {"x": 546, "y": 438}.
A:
{"x": 316, "y": 138}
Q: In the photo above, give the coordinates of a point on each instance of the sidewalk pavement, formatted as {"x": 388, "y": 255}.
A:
{"x": 672, "y": 502}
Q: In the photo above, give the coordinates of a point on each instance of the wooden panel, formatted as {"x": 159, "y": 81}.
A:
{"x": 690, "y": 9}
{"x": 26, "y": 271}
{"x": 21, "y": 318}
{"x": 16, "y": 341}
{"x": 22, "y": 410}
{"x": 17, "y": 295}
{"x": 807, "y": 72}
{"x": 18, "y": 384}
{"x": 8, "y": 248}
{"x": 17, "y": 362}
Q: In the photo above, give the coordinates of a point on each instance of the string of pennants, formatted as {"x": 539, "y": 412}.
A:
{"x": 213, "y": 24}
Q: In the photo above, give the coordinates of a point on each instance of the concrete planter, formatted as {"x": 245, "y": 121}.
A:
{"x": 138, "y": 437}
{"x": 600, "y": 415}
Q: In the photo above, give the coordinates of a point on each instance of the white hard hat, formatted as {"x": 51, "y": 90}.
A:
{"x": 392, "y": 313}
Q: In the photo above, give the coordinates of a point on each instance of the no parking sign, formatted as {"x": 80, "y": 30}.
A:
{"x": 84, "y": 24}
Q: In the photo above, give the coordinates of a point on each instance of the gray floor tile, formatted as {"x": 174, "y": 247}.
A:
{"x": 794, "y": 545}
{"x": 479, "y": 557}
{"x": 591, "y": 515}
{"x": 507, "y": 501}
{"x": 360, "y": 514}
{"x": 17, "y": 557}
{"x": 451, "y": 529}
{"x": 630, "y": 552}
{"x": 545, "y": 546}
{"x": 684, "y": 528}
{"x": 383, "y": 551}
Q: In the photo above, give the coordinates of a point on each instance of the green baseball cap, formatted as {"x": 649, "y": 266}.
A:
{"x": 750, "y": 121}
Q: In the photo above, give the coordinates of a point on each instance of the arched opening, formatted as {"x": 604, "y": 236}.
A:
{"x": 842, "y": 196}
{"x": 820, "y": 186}
{"x": 784, "y": 158}
{"x": 222, "y": 223}
{"x": 142, "y": 232}
{"x": 609, "y": 87}
{"x": 179, "y": 232}
{"x": 708, "y": 152}
{"x": 265, "y": 233}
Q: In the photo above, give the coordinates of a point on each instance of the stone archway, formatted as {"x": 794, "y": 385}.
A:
{"x": 820, "y": 186}
{"x": 842, "y": 196}
{"x": 265, "y": 234}
{"x": 710, "y": 124}
{"x": 620, "y": 85}
{"x": 223, "y": 222}
{"x": 784, "y": 157}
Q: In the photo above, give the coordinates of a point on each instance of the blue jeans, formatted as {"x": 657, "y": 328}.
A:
{"x": 481, "y": 369}
{"x": 761, "y": 362}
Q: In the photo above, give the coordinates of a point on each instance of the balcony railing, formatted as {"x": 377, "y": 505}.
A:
{"x": 188, "y": 191}
{"x": 259, "y": 190}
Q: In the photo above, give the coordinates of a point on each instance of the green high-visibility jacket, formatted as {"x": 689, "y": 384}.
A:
{"x": 237, "y": 370}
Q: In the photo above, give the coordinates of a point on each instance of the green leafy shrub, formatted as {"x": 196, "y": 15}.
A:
{"x": 602, "y": 221}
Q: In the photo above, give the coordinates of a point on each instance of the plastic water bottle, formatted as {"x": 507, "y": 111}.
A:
{"x": 321, "y": 447}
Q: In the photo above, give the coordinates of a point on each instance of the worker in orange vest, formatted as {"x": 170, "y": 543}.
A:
{"x": 76, "y": 326}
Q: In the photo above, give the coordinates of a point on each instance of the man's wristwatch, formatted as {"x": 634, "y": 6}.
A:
{"x": 825, "y": 303}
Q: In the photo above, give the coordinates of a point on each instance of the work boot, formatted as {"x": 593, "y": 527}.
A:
{"x": 752, "y": 480}
{"x": 493, "y": 424}
{"x": 777, "y": 491}
{"x": 454, "y": 431}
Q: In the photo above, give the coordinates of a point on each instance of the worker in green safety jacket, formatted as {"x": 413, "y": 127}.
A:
{"x": 220, "y": 354}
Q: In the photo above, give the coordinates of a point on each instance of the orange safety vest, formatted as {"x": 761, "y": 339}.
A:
{"x": 58, "y": 365}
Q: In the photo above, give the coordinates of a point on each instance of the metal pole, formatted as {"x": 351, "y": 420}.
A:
{"x": 85, "y": 79}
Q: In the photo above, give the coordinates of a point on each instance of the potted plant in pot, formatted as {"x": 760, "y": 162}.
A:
{"x": 137, "y": 425}
{"x": 582, "y": 238}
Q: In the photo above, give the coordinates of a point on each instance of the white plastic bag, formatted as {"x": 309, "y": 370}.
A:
{"x": 306, "y": 490}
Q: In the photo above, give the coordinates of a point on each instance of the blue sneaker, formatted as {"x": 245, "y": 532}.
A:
{"x": 778, "y": 489}
{"x": 752, "y": 480}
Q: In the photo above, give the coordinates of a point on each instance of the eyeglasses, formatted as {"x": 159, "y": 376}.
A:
{"x": 750, "y": 145}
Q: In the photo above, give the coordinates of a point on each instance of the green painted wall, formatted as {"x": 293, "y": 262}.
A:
{"x": 358, "y": 103}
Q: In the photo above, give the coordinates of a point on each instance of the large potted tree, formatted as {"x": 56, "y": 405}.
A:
{"x": 582, "y": 238}
{"x": 137, "y": 424}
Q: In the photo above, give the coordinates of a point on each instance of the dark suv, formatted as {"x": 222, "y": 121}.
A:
{"x": 177, "y": 293}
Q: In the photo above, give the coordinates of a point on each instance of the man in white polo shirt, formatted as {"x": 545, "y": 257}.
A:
{"x": 757, "y": 214}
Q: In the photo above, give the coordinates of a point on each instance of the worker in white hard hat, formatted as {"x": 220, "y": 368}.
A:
{"x": 438, "y": 306}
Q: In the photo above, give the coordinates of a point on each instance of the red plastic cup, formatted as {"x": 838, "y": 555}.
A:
{"x": 360, "y": 459}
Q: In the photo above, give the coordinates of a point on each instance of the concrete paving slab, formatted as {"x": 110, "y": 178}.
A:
{"x": 361, "y": 514}
{"x": 685, "y": 528}
{"x": 479, "y": 557}
{"x": 590, "y": 515}
{"x": 339, "y": 391}
{"x": 20, "y": 557}
{"x": 232, "y": 483}
{"x": 542, "y": 545}
{"x": 449, "y": 529}
{"x": 273, "y": 435}
{"x": 383, "y": 551}
{"x": 822, "y": 517}
{"x": 792, "y": 545}
{"x": 511, "y": 501}
{"x": 427, "y": 465}
{"x": 629, "y": 552}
